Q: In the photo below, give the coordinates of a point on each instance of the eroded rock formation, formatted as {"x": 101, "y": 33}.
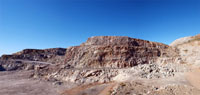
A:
{"x": 117, "y": 52}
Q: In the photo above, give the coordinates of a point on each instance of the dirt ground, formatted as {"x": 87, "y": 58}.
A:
{"x": 91, "y": 89}
{"x": 19, "y": 83}
{"x": 194, "y": 78}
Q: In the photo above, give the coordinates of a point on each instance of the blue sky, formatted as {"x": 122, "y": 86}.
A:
{"x": 64, "y": 23}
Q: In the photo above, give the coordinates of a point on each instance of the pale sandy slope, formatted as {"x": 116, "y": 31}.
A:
{"x": 189, "y": 50}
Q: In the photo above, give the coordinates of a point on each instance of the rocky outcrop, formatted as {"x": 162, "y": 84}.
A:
{"x": 189, "y": 49}
{"x": 117, "y": 52}
{"x": 30, "y": 59}
{"x": 185, "y": 40}
{"x": 46, "y": 55}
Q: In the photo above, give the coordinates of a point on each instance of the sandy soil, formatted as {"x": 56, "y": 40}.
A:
{"x": 91, "y": 89}
{"x": 194, "y": 78}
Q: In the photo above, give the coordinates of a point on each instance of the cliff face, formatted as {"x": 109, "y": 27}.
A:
{"x": 104, "y": 59}
{"x": 116, "y": 52}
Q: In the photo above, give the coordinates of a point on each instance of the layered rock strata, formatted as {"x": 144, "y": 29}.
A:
{"x": 118, "y": 52}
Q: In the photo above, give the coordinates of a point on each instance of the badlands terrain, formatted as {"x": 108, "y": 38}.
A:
{"x": 105, "y": 65}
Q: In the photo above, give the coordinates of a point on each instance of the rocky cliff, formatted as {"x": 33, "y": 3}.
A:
{"x": 117, "y": 52}
{"x": 100, "y": 52}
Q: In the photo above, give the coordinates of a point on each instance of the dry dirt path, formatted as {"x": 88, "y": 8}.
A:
{"x": 91, "y": 89}
{"x": 193, "y": 78}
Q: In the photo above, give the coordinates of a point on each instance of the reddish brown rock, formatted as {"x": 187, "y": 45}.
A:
{"x": 116, "y": 52}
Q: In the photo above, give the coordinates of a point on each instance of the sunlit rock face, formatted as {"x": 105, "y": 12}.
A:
{"x": 189, "y": 49}
{"x": 118, "y": 52}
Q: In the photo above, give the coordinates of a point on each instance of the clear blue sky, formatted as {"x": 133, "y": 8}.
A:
{"x": 64, "y": 23}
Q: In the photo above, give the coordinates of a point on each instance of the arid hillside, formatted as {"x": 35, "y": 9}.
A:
{"x": 189, "y": 49}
